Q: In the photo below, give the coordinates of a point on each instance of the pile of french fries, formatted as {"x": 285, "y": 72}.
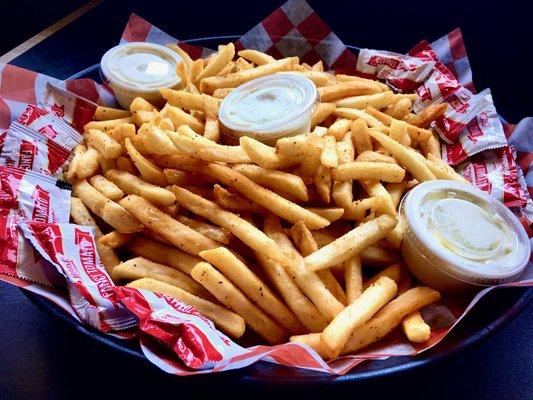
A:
{"x": 299, "y": 241}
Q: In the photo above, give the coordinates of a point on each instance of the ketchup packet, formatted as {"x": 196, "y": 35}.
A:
{"x": 73, "y": 108}
{"x": 190, "y": 335}
{"x": 484, "y": 132}
{"x": 28, "y": 196}
{"x": 50, "y": 126}
{"x": 28, "y": 149}
{"x": 495, "y": 172}
{"x": 71, "y": 249}
{"x": 402, "y": 72}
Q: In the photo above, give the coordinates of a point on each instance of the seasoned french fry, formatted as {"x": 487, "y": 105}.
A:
{"x": 125, "y": 164}
{"x": 234, "y": 299}
{"x": 276, "y": 180}
{"x": 398, "y": 132}
{"x": 339, "y": 128}
{"x": 323, "y": 182}
{"x": 156, "y": 141}
{"x": 148, "y": 170}
{"x": 221, "y": 93}
{"x": 393, "y": 272}
{"x": 197, "y": 67}
{"x": 131, "y": 184}
{"x": 106, "y": 113}
{"x": 236, "y": 271}
{"x": 357, "y": 313}
{"x": 266, "y": 156}
{"x": 351, "y": 243}
{"x": 223, "y": 57}
{"x": 140, "y": 104}
{"x": 234, "y": 202}
{"x": 87, "y": 164}
{"x": 353, "y": 278}
{"x": 220, "y": 235}
{"x": 354, "y": 114}
{"x": 180, "y": 117}
{"x": 304, "y": 241}
{"x": 183, "y": 99}
{"x": 78, "y": 152}
{"x": 400, "y": 109}
{"x": 416, "y": 133}
{"x": 329, "y": 157}
{"x": 256, "y": 57}
{"x": 115, "y": 239}
{"x": 81, "y": 216}
{"x": 374, "y": 156}
{"x": 378, "y": 257}
{"x": 106, "y": 164}
{"x": 307, "y": 281}
{"x": 376, "y": 189}
{"x": 359, "y": 209}
{"x": 107, "y": 188}
{"x": 415, "y": 328}
{"x": 108, "y": 210}
{"x": 345, "y": 89}
{"x": 323, "y": 111}
{"x": 225, "y": 320}
{"x": 406, "y": 157}
{"x": 167, "y": 227}
{"x": 429, "y": 114}
{"x": 208, "y": 85}
{"x": 241, "y": 228}
{"x": 377, "y": 100}
{"x": 264, "y": 197}
{"x": 319, "y": 78}
{"x": 364, "y": 170}
{"x": 330, "y": 213}
{"x": 162, "y": 254}
{"x": 360, "y": 136}
{"x": 183, "y": 71}
{"x": 107, "y": 124}
{"x": 311, "y": 160}
{"x": 432, "y": 146}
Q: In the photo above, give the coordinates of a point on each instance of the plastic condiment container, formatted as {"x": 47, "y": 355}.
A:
{"x": 458, "y": 238}
{"x": 269, "y": 108}
{"x": 139, "y": 69}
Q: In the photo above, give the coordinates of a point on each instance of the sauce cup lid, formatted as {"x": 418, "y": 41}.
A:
{"x": 140, "y": 66}
{"x": 270, "y": 105}
{"x": 465, "y": 232}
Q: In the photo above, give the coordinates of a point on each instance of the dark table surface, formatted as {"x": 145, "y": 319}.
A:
{"x": 42, "y": 359}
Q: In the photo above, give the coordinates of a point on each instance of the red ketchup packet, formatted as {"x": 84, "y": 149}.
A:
{"x": 29, "y": 149}
{"x": 74, "y": 109}
{"x": 404, "y": 73}
{"x": 495, "y": 172}
{"x": 50, "y": 126}
{"x": 28, "y": 196}
{"x": 190, "y": 335}
{"x": 71, "y": 249}
{"x": 484, "y": 132}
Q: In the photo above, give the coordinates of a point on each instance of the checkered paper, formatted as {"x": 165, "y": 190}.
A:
{"x": 294, "y": 29}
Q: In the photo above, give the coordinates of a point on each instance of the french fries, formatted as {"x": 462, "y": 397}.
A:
{"x": 107, "y": 188}
{"x": 415, "y": 328}
{"x": 132, "y": 184}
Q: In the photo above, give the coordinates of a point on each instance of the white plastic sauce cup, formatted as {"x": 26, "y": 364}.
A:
{"x": 458, "y": 238}
{"x": 139, "y": 69}
{"x": 269, "y": 108}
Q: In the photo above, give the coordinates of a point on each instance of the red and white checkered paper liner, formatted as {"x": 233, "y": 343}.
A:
{"x": 295, "y": 20}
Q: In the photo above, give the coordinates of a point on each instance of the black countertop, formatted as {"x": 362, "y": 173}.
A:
{"x": 42, "y": 359}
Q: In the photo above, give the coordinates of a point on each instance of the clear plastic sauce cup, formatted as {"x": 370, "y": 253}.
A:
{"x": 458, "y": 238}
{"x": 269, "y": 108}
{"x": 139, "y": 69}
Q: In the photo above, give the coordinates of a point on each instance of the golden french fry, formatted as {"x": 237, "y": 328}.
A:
{"x": 311, "y": 159}
{"x": 197, "y": 67}
{"x": 162, "y": 254}
{"x": 330, "y": 213}
{"x": 399, "y": 109}
{"x": 307, "y": 281}
{"x": 106, "y": 164}
{"x": 365, "y": 170}
{"x": 377, "y": 100}
{"x": 105, "y": 113}
{"x": 319, "y": 78}
{"x": 220, "y": 60}
{"x": 393, "y": 272}
{"x": 432, "y": 146}
{"x": 241, "y": 228}
{"x": 87, "y": 164}
{"x": 278, "y": 205}
{"x": 235, "y": 300}
{"x": 208, "y": 85}
{"x": 351, "y": 243}
{"x": 357, "y": 313}
{"x": 329, "y": 157}
{"x": 182, "y": 53}
{"x": 183, "y": 71}
{"x": 353, "y": 278}
{"x": 125, "y": 164}
{"x": 359, "y": 209}
{"x": 376, "y": 189}
{"x": 107, "y": 124}
{"x": 429, "y": 114}
{"x": 148, "y": 170}
{"x": 81, "y": 216}
{"x": 323, "y": 111}
{"x": 115, "y": 239}
{"x": 398, "y": 132}
{"x": 106, "y": 187}
{"x": 220, "y": 235}
{"x": 256, "y": 57}
{"x": 376, "y": 256}
{"x": 406, "y": 157}
{"x": 360, "y": 136}
{"x": 374, "y": 156}
{"x": 416, "y": 133}
{"x": 236, "y": 271}
{"x": 339, "y": 128}
{"x": 112, "y": 213}
{"x": 131, "y": 184}
{"x": 234, "y": 202}
{"x": 180, "y": 117}
{"x": 78, "y": 152}
{"x": 156, "y": 141}
{"x": 225, "y": 320}
{"x": 323, "y": 181}
{"x": 354, "y": 114}
{"x": 167, "y": 227}
{"x": 276, "y": 180}
{"x": 221, "y": 93}
{"x": 266, "y": 156}
{"x": 140, "y": 104}
{"x": 304, "y": 241}
{"x": 345, "y": 89}
{"x": 415, "y": 328}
